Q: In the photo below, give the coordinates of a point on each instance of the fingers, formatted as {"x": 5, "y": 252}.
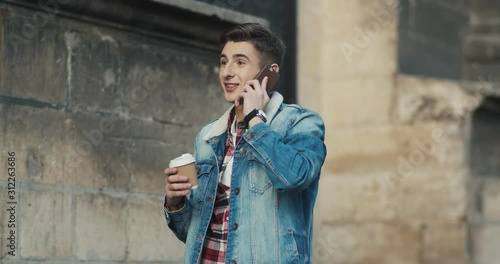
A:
{"x": 178, "y": 189}
{"x": 264, "y": 84}
{"x": 176, "y": 186}
{"x": 256, "y": 86}
{"x": 170, "y": 171}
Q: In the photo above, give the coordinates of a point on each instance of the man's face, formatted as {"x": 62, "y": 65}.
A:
{"x": 239, "y": 63}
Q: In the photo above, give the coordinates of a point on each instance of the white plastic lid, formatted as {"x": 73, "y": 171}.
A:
{"x": 182, "y": 160}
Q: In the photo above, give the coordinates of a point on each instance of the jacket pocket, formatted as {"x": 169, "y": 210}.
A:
{"x": 296, "y": 247}
{"x": 259, "y": 181}
{"x": 203, "y": 171}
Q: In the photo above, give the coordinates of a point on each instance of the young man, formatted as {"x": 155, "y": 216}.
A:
{"x": 258, "y": 166}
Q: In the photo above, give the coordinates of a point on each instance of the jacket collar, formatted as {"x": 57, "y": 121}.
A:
{"x": 220, "y": 125}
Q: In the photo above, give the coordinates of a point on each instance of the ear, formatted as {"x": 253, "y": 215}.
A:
{"x": 276, "y": 67}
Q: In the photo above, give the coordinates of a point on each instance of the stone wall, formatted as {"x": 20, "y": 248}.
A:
{"x": 482, "y": 64}
{"x": 95, "y": 98}
{"x": 395, "y": 186}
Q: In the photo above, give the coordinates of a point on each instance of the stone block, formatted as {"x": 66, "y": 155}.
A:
{"x": 156, "y": 86}
{"x": 123, "y": 154}
{"x": 37, "y": 138}
{"x": 357, "y": 102}
{"x": 3, "y": 153}
{"x": 2, "y": 52}
{"x": 360, "y": 39}
{"x": 389, "y": 146}
{"x": 432, "y": 142}
{"x": 432, "y": 193}
{"x": 444, "y": 244}
{"x": 369, "y": 243}
{"x": 347, "y": 145}
{"x": 94, "y": 159}
{"x": 100, "y": 227}
{"x": 426, "y": 99}
{"x": 95, "y": 82}
{"x": 309, "y": 42}
{"x": 35, "y": 58}
{"x": 149, "y": 238}
{"x": 149, "y": 155}
{"x": 491, "y": 200}
{"x": 486, "y": 242}
{"x": 45, "y": 224}
{"x": 355, "y": 198}
{"x": 423, "y": 48}
{"x": 148, "y": 160}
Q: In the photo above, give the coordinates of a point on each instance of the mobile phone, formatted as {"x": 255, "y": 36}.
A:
{"x": 272, "y": 77}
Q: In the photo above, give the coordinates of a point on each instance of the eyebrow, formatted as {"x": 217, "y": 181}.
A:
{"x": 235, "y": 56}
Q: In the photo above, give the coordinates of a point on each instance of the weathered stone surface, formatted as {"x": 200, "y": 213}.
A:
{"x": 45, "y": 224}
{"x": 94, "y": 160}
{"x": 37, "y": 138}
{"x": 430, "y": 194}
{"x": 147, "y": 171}
{"x": 486, "y": 242}
{"x": 387, "y": 147}
{"x": 156, "y": 86}
{"x": 2, "y": 51}
{"x": 345, "y": 144}
{"x": 444, "y": 244}
{"x": 427, "y": 50}
{"x": 358, "y": 39}
{"x": 3, "y": 153}
{"x": 100, "y": 227}
{"x": 374, "y": 99}
{"x": 95, "y": 71}
{"x": 309, "y": 54}
{"x": 369, "y": 243}
{"x": 476, "y": 71}
{"x": 356, "y": 198}
{"x": 147, "y": 232}
{"x": 425, "y": 99}
{"x": 491, "y": 200}
{"x": 125, "y": 154}
{"x": 35, "y": 58}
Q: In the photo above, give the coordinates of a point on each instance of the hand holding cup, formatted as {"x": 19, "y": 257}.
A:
{"x": 180, "y": 178}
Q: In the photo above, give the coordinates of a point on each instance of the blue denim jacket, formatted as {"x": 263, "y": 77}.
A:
{"x": 273, "y": 187}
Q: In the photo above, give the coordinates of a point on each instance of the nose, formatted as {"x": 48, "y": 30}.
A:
{"x": 227, "y": 71}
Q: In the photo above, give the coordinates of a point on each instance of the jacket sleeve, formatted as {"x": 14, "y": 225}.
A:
{"x": 178, "y": 221}
{"x": 295, "y": 159}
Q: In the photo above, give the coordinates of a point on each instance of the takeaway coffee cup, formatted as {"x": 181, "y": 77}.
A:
{"x": 186, "y": 166}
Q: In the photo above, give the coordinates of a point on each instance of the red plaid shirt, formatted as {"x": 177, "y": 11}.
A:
{"x": 214, "y": 246}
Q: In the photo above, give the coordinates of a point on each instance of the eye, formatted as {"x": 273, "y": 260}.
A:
{"x": 241, "y": 62}
{"x": 223, "y": 63}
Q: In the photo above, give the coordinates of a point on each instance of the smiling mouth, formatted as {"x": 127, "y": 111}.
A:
{"x": 230, "y": 86}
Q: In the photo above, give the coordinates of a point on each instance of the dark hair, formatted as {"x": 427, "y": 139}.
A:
{"x": 271, "y": 46}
